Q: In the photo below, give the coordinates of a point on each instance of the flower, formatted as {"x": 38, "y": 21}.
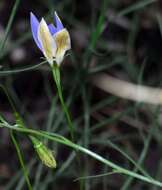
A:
{"x": 52, "y": 40}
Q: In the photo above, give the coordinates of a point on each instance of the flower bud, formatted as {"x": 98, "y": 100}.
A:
{"x": 45, "y": 154}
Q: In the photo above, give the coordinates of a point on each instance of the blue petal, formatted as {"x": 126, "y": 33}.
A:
{"x": 34, "y": 28}
{"x": 52, "y": 29}
{"x": 58, "y": 22}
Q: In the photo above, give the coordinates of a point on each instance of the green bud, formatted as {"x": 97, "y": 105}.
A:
{"x": 45, "y": 154}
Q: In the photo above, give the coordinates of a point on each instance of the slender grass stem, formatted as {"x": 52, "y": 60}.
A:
{"x": 21, "y": 160}
{"x": 20, "y": 70}
{"x": 13, "y": 13}
{"x": 56, "y": 76}
{"x": 65, "y": 141}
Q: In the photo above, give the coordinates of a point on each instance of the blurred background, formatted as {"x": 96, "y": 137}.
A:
{"x": 121, "y": 39}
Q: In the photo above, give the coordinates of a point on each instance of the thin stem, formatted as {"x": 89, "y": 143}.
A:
{"x": 8, "y": 97}
{"x": 56, "y": 76}
{"x": 13, "y": 12}
{"x": 21, "y": 160}
{"x": 63, "y": 140}
{"x": 20, "y": 70}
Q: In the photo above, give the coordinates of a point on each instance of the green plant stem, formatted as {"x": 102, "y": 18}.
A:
{"x": 18, "y": 119}
{"x": 13, "y": 12}
{"x": 57, "y": 79}
{"x": 56, "y": 76}
{"x": 20, "y": 70}
{"x": 21, "y": 160}
{"x": 140, "y": 161}
{"x": 63, "y": 140}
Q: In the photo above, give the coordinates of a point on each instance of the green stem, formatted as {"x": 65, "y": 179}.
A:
{"x": 63, "y": 140}
{"x": 21, "y": 160}
{"x": 14, "y": 139}
{"x": 13, "y": 12}
{"x": 56, "y": 76}
{"x": 20, "y": 70}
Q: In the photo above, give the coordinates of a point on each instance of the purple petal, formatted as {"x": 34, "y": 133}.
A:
{"x": 58, "y": 22}
{"x": 34, "y": 28}
{"x": 52, "y": 29}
